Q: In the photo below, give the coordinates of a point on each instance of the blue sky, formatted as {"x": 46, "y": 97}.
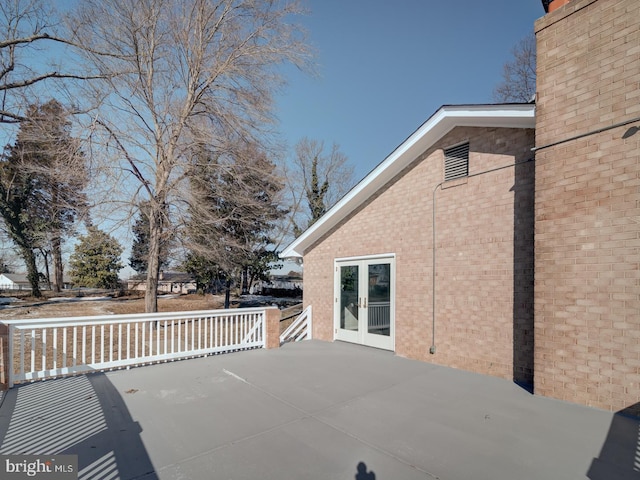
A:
{"x": 384, "y": 66}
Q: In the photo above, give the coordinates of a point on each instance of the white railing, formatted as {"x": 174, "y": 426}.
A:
{"x": 379, "y": 314}
{"x": 43, "y": 348}
{"x": 300, "y": 329}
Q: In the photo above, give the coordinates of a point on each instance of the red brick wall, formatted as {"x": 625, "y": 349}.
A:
{"x": 587, "y": 213}
{"x": 484, "y": 256}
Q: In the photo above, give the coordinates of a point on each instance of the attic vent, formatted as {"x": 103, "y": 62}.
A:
{"x": 456, "y": 162}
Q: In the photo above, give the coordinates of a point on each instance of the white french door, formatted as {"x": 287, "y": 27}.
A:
{"x": 365, "y": 301}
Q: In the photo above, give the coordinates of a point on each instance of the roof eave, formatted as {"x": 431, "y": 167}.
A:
{"x": 439, "y": 124}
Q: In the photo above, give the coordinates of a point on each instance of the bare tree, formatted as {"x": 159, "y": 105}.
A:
{"x": 316, "y": 180}
{"x": 27, "y": 29}
{"x": 519, "y": 74}
{"x": 181, "y": 74}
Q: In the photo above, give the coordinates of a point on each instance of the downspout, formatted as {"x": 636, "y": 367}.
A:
{"x": 432, "y": 348}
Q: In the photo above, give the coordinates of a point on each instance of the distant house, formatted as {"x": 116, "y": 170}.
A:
{"x": 279, "y": 285}
{"x": 168, "y": 282}
{"x": 14, "y": 281}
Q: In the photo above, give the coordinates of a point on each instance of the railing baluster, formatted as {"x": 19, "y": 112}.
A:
{"x": 179, "y": 335}
{"x": 165, "y": 337}
{"x": 111, "y": 343}
{"x": 43, "y": 336}
{"x": 119, "y": 341}
{"x": 205, "y": 336}
{"x": 186, "y": 335}
{"x": 150, "y": 339}
{"x": 84, "y": 344}
{"x": 33, "y": 350}
{"x": 234, "y": 329}
{"x": 143, "y": 337}
{"x": 135, "y": 325}
{"x": 54, "y": 347}
{"x": 193, "y": 333}
{"x": 75, "y": 345}
{"x": 93, "y": 344}
{"x": 64, "y": 347}
{"x": 199, "y": 333}
{"x": 173, "y": 331}
{"x": 101, "y": 343}
{"x": 128, "y": 341}
{"x": 21, "y": 350}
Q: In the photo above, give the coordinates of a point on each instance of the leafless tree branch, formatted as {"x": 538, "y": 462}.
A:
{"x": 519, "y": 74}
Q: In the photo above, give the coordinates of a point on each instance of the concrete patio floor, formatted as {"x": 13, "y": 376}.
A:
{"x": 314, "y": 410}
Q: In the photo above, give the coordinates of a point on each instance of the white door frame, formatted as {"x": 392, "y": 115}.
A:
{"x": 360, "y": 305}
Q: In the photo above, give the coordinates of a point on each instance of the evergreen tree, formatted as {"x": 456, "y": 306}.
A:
{"x": 235, "y": 208}
{"x": 18, "y": 204}
{"x": 95, "y": 262}
{"x": 316, "y": 194}
{"x": 139, "y": 259}
{"x": 205, "y": 272}
{"x": 42, "y": 178}
{"x": 62, "y": 177}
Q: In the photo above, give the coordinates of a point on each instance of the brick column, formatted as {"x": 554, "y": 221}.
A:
{"x": 4, "y": 357}
{"x": 272, "y": 327}
{"x": 587, "y": 204}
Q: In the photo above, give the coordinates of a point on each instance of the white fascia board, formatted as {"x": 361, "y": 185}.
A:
{"x": 438, "y": 125}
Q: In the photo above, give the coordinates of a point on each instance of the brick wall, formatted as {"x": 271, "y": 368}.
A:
{"x": 587, "y": 205}
{"x": 484, "y": 282}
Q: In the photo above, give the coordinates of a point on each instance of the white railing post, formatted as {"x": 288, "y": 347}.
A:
{"x": 10, "y": 365}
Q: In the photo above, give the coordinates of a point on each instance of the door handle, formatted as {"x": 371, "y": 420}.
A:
{"x": 365, "y": 302}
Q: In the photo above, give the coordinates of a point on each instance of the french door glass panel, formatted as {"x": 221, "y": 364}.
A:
{"x": 349, "y": 301}
{"x": 379, "y": 299}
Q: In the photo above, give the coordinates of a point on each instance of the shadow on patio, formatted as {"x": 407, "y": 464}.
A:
{"x": 619, "y": 458}
{"x": 84, "y": 416}
{"x": 312, "y": 410}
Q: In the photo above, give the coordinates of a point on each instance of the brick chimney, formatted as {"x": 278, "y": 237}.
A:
{"x": 587, "y": 203}
{"x": 551, "y": 5}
